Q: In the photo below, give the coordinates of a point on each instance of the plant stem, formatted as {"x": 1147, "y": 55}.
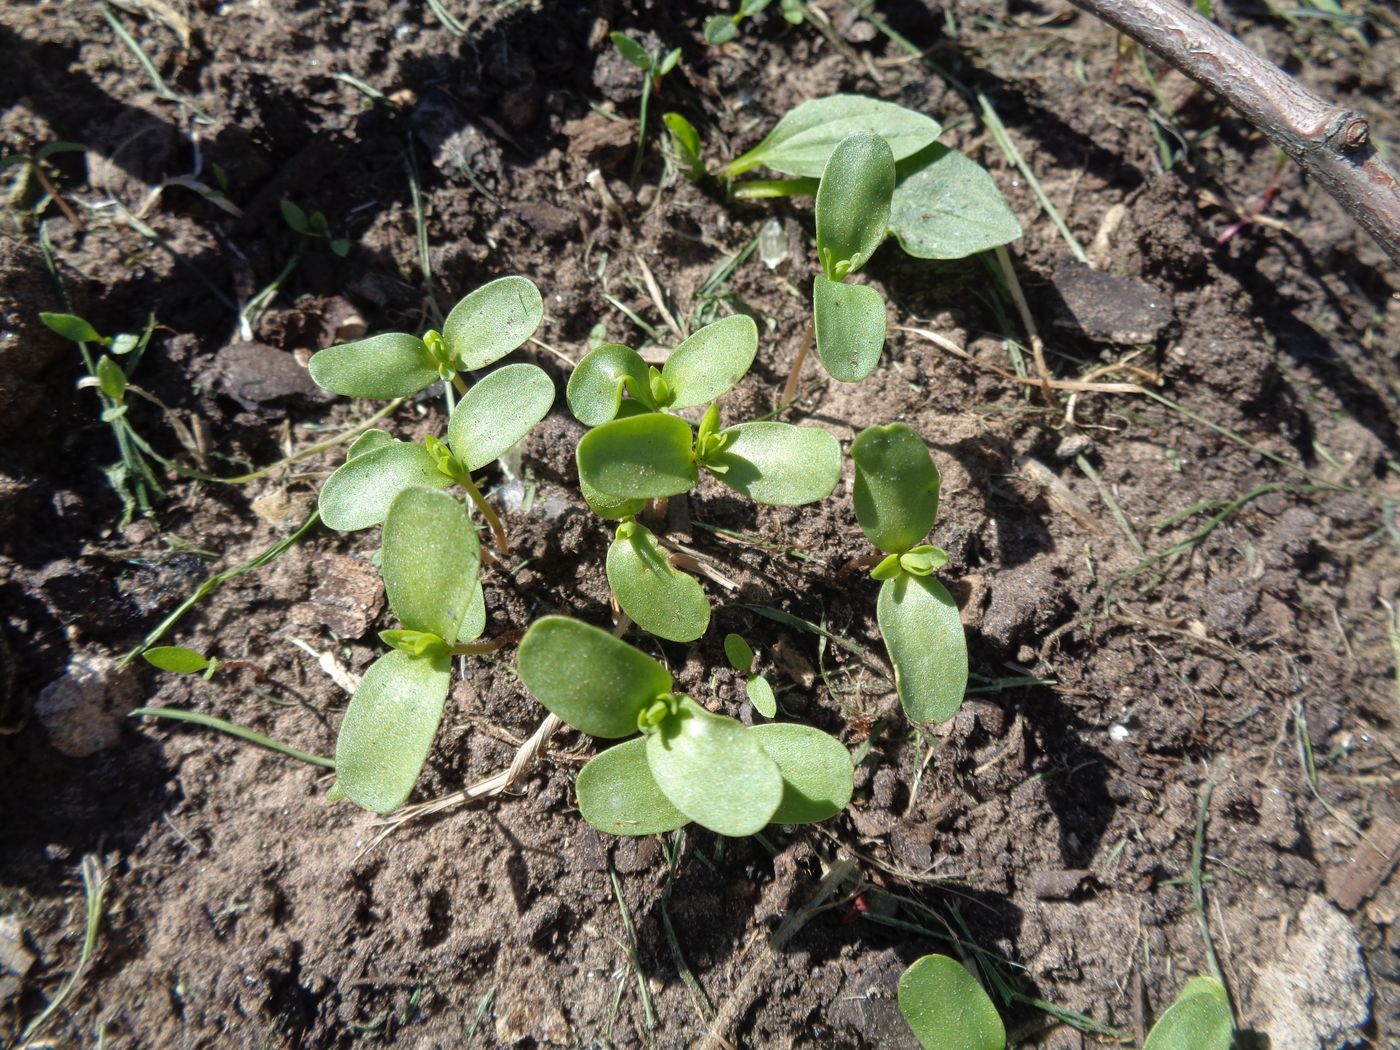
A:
{"x": 459, "y": 384}
{"x": 642, "y": 125}
{"x": 498, "y": 530}
{"x": 1331, "y": 143}
{"x": 795, "y": 375}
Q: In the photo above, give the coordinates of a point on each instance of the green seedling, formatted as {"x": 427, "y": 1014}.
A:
{"x": 133, "y": 478}
{"x": 686, "y": 145}
{"x": 178, "y": 660}
{"x": 430, "y": 563}
{"x": 689, "y": 764}
{"x": 488, "y": 420}
{"x": 760, "y": 691}
{"x": 947, "y": 1009}
{"x": 720, "y": 29}
{"x": 853, "y": 211}
{"x": 702, "y": 369}
{"x": 896, "y": 502}
{"x": 654, "y": 65}
{"x": 1200, "y": 1019}
{"x": 313, "y": 227}
{"x": 631, "y": 460}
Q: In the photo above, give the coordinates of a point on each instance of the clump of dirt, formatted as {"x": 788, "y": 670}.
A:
{"x": 1179, "y": 603}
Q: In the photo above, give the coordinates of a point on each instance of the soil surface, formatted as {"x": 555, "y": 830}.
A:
{"x": 1181, "y": 606}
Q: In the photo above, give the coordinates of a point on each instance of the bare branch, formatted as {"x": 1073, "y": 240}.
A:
{"x": 1330, "y": 142}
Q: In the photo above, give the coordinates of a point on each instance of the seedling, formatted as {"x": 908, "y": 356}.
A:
{"x": 178, "y": 660}
{"x": 896, "y": 502}
{"x": 720, "y": 29}
{"x": 760, "y": 691}
{"x": 313, "y": 227}
{"x": 689, "y": 764}
{"x": 947, "y": 1009}
{"x": 685, "y": 143}
{"x": 654, "y": 65}
{"x": 489, "y": 418}
{"x": 132, "y": 478}
{"x": 430, "y": 564}
{"x": 1200, "y": 1019}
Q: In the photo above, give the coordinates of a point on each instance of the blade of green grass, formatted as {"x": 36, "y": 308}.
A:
{"x": 241, "y": 732}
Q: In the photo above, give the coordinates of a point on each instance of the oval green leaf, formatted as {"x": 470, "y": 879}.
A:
{"x": 661, "y": 599}
{"x": 618, "y": 796}
{"x": 430, "y": 562}
{"x": 853, "y": 203}
{"x": 593, "y": 681}
{"x": 596, "y": 384}
{"x": 71, "y": 327}
{"x": 738, "y": 652}
{"x": 361, "y": 491}
{"x": 394, "y": 364}
{"x": 803, "y": 140}
{"x": 948, "y": 207}
{"x": 760, "y": 693}
{"x": 927, "y": 645}
{"x": 818, "y": 775}
{"x": 946, "y": 1007}
{"x": 714, "y": 770}
{"x": 475, "y": 620}
{"x": 641, "y": 457}
{"x": 389, "y": 728}
{"x": 778, "y": 463}
{"x": 896, "y": 488}
{"x": 498, "y": 412}
{"x": 711, "y": 361}
{"x": 850, "y": 328}
{"x": 492, "y": 321}
{"x": 176, "y": 659}
{"x": 1198, "y": 1020}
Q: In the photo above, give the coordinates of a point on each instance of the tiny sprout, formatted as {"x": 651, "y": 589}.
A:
{"x": 1200, "y": 1019}
{"x": 685, "y": 143}
{"x": 896, "y": 502}
{"x": 689, "y": 764}
{"x": 178, "y": 660}
{"x": 481, "y": 329}
{"x": 760, "y": 691}
{"x": 654, "y": 65}
{"x": 313, "y": 227}
{"x": 947, "y": 1009}
{"x": 720, "y": 29}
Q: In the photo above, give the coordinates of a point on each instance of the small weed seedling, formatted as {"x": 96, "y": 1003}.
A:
{"x": 720, "y": 29}
{"x": 178, "y": 660}
{"x": 759, "y": 689}
{"x": 896, "y": 501}
{"x": 639, "y": 451}
{"x": 947, "y": 1009}
{"x": 654, "y": 65}
{"x": 133, "y": 478}
{"x": 1200, "y": 1019}
{"x": 689, "y": 764}
{"x": 489, "y": 418}
{"x": 936, "y": 202}
{"x": 313, "y": 227}
{"x": 686, "y": 145}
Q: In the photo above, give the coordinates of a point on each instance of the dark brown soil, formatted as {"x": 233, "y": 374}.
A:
{"x": 1051, "y": 824}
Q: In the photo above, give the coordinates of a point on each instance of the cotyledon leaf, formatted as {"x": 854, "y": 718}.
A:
{"x": 853, "y": 204}
{"x": 711, "y": 361}
{"x": 946, "y": 1007}
{"x": 389, "y": 728}
{"x": 492, "y": 321}
{"x": 777, "y": 463}
{"x": 617, "y": 794}
{"x": 661, "y": 599}
{"x": 849, "y": 324}
{"x": 946, "y": 206}
{"x": 361, "y": 490}
{"x": 638, "y": 457}
{"x": 1199, "y": 1019}
{"x": 598, "y": 382}
{"x": 927, "y": 645}
{"x": 896, "y": 486}
{"x": 816, "y": 768}
{"x": 497, "y": 412}
{"x": 430, "y": 562}
{"x": 383, "y": 366}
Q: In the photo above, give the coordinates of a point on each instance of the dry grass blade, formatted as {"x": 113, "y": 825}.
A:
{"x": 1078, "y": 386}
{"x": 95, "y": 891}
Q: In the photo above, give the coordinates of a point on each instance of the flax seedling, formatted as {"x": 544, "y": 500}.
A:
{"x": 760, "y": 691}
{"x": 654, "y": 65}
{"x": 132, "y": 478}
{"x": 487, "y": 420}
{"x": 947, "y": 1009}
{"x": 689, "y": 764}
{"x": 896, "y": 502}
